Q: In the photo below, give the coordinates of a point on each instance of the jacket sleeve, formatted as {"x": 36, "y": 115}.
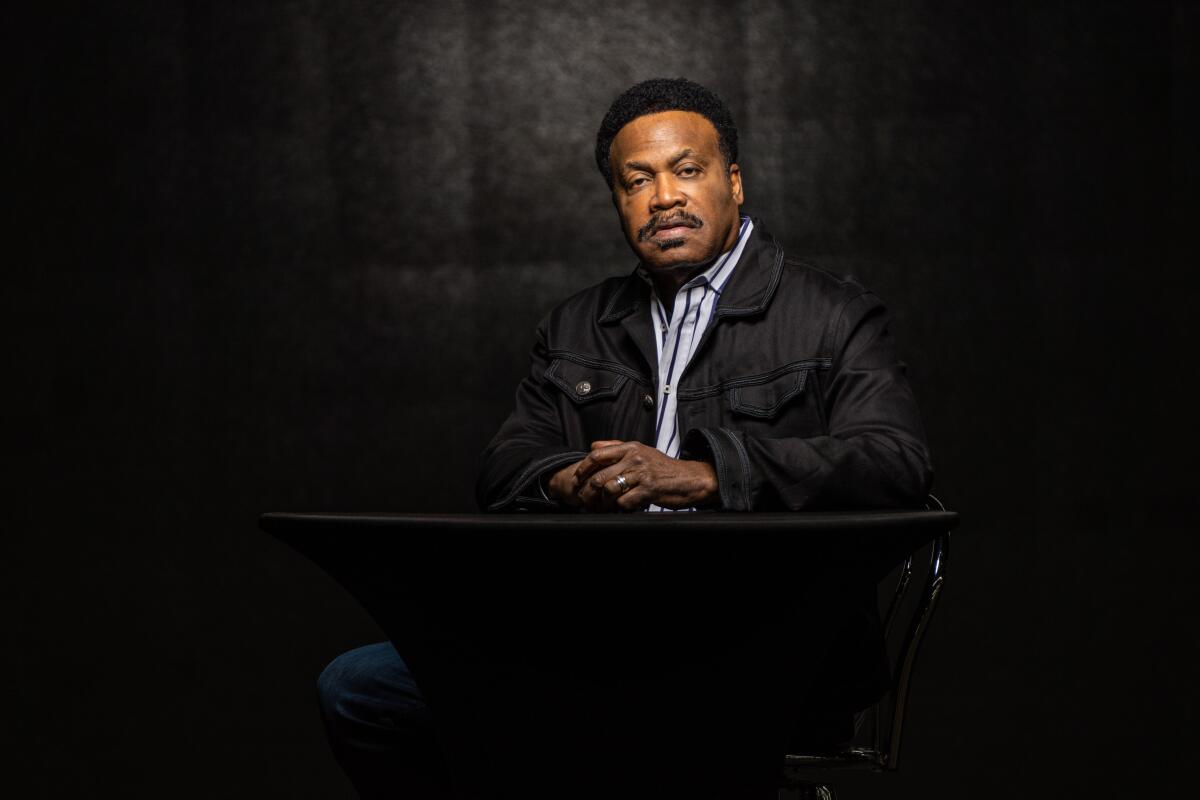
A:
{"x": 528, "y": 445}
{"x": 874, "y": 455}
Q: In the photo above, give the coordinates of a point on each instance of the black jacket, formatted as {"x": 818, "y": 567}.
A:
{"x": 795, "y": 393}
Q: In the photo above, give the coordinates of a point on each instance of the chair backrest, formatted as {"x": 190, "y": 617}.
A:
{"x": 880, "y": 727}
{"x": 887, "y": 731}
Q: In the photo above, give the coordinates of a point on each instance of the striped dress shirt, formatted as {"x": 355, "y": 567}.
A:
{"x": 679, "y": 333}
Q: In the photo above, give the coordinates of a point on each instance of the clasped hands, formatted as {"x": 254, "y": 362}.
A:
{"x": 648, "y": 476}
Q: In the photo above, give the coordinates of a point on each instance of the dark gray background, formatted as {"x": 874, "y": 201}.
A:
{"x": 290, "y": 256}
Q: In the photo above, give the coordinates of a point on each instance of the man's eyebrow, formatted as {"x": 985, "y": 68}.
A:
{"x": 641, "y": 166}
{"x": 680, "y": 156}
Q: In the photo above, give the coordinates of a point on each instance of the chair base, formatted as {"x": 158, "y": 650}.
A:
{"x": 807, "y": 791}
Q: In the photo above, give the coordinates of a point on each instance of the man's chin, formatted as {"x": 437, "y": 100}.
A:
{"x": 670, "y": 244}
{"x": 662, "y": 258}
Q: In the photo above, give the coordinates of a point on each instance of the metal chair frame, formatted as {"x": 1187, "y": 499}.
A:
{"x": 882, "y": 754}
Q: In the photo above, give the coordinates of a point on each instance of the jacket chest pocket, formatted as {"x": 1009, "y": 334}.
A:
{"x": 599, "y": 402}
{"x": 785, "y": 400}
{"x": 766, "y": 399}
{"x": 584, "y": 384}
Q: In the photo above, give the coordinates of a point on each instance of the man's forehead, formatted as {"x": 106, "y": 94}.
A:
{"x": 665, "y": 133}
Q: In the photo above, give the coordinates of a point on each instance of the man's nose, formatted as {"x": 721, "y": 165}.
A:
{"x": 666, "y": 192}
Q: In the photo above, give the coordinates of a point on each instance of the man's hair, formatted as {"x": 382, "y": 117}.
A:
{"x": 664, "y": 94}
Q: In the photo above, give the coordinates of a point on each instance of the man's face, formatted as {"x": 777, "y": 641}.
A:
{"x": 677, "y": 202}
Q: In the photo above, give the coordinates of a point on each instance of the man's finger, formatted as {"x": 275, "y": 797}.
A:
{"x": 605, "y": 443}
{"x": 588, "y": 492}
{"x": 635, "y": 499}
{"x": 598, "y": 459}
{"x": 606, "y": 479}
{"x": 602, "y": 486}
{"x": 596, "y": 498}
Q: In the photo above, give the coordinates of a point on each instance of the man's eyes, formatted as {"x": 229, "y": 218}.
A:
{"x": 687, "y": 171}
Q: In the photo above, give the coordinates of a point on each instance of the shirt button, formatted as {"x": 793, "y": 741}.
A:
{"x": 648, "y": 402}
{"x": 583, "y": 387}
{"x": 664, "y": 327}
{"x": 667, "y": 389}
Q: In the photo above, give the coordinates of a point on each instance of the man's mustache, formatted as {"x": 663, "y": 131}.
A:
{"x": 679, "y": 218}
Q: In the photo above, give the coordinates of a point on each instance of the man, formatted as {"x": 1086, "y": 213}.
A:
{"x": 718, "y": 375}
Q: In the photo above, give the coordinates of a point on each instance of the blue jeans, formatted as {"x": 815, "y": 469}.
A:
{"x": 379, "y": 726}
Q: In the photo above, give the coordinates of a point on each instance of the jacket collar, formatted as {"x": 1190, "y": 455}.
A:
{"x": 749, "y": 290}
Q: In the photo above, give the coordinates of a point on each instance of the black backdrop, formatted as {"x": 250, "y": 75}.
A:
{"x": 289, "y": 256}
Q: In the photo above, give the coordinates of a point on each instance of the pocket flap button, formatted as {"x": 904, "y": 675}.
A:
{"x": 583, "y": 388}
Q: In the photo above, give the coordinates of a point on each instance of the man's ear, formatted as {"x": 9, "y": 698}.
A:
{"x": 735, "y": 183}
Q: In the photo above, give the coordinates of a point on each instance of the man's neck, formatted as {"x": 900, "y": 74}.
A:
{"x": 668, "y": 282}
